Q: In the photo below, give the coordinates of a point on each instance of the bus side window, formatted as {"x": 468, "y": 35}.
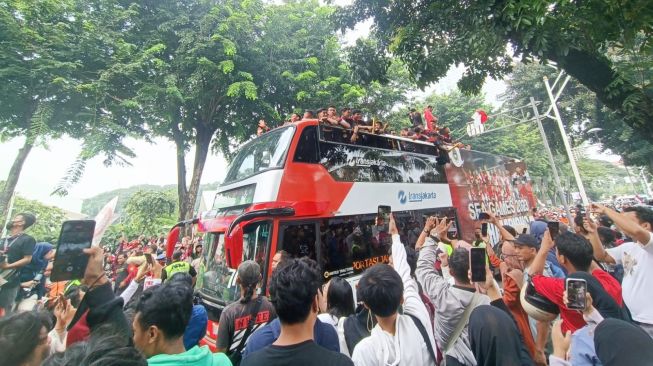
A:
{"x": 298, "y": 239}
{"x": 307, "y": 147}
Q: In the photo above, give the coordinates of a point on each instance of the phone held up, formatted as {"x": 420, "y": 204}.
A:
{"x": 70, "y": 261}
{"x": 477, "y": 264}
{"x": 483, "y": 216}
{"x": 383, "y": 217}
{"x": 554, "y": 229}
{"x": 576, "y": 293}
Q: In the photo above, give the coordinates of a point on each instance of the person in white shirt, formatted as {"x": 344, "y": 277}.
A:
{"x": 636, "y": 257}
{"x": 397, "y": 339}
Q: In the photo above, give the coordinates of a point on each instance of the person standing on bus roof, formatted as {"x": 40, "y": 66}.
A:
{"x": 431, "y": 120}
{"x": 262, "y": 128}
{"x": 345, "y": 117}
{"x": 308, "y": 114}
{"x": 176, "y": 266}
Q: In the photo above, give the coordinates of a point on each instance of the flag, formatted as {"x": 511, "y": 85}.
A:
{"x": 104, "y": 219}
{"x": 479, "y": 117}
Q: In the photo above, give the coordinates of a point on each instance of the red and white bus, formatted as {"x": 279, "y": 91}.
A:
{"x": 306, "y": 189}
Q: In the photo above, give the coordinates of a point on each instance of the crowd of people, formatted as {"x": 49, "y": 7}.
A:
{"x": 353, "y": 120}
{"x": 137, "y": 307}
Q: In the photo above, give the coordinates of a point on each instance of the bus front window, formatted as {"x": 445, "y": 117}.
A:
{"x": 263, "y": 153}
{"x": 217, "y": 280}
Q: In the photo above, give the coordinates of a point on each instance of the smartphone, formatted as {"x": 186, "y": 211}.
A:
{"x": 384, "y": 217}
{"x": 554, "y": 228}
{"x": 477, "y": 264}
{"x": 70, "y": 261}
{"x": 576, "y": 293}
{"x": 484, "y": 229}
{"x": 483, "y": 216}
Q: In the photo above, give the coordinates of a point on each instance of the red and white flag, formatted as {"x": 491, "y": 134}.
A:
{"x": 479, "y": 117}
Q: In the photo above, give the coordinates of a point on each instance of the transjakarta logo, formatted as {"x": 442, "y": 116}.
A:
{"x": 415, "y": 197}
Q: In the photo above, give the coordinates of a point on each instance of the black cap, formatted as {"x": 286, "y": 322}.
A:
{"x": 527, "y": 240}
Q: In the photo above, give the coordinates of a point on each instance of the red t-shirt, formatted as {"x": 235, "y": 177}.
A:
{"x": 554, "y": 288}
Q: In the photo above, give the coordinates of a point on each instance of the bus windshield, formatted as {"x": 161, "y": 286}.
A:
{"x": 263, "y": 153}
{"x": 216, "y": 279}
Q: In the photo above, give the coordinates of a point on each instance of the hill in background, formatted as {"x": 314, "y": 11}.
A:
{"x": 91, "y": 206}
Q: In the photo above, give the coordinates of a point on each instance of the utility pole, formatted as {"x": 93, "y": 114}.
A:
{"x": 549, "y": 154}
{"x": 565, "y": 140}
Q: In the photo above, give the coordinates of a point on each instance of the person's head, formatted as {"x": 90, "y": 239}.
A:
{"x": 574, "y": 252}
{"x": 198, "y": 249}
{"x": 459, "y": 266}
{"x": 429, "y": 107}
{"x": 21, "y": 222}
{"x": 176, "y": 256}
{"x": 357, "y": 115}
{"x": 151, "y": 249}
{"x": 381, "y": 290}
{"x": 261, "y": 123}
{"x": 607, "y": 236}
{"x": 293, "y": 291}
{"x": 331, "y": 111}
{"x": 24, "y": 338}
{"x": 417, "y": 130}
{"x": 345, "y": 112}
{"x": 162, "y": 315}
{"x": 413, "y": 110}
{"x": 279, "y": 257}
{"x": 444, "y": 131}
{"x": 338, "y": 297}
{"x": 509, "y": 255}
{"x": 321, "y": 113}
{"x": 526, "y": 247}
{"x": 642, "y": 215}
{"x": 295, "y": 117}
{"x": 249, "y": 276}
{"x": 605, "y": 221}
{"x": 308, "y": 114}
{"x": 403, "y": 132}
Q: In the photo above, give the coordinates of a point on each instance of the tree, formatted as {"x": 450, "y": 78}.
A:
{"x": 149, "y": 212}
{"x": 50, "y": 49}
{"x": 581, "y": 111}
{"x": 484, "y": 36}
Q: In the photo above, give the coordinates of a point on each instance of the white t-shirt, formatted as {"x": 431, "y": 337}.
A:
{"x": 637, "y": 286}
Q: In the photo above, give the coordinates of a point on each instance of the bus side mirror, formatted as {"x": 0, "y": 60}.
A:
{"x": 233, "y": 243}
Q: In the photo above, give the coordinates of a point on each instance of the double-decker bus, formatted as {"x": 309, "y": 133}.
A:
{"x": 307, "y": 189}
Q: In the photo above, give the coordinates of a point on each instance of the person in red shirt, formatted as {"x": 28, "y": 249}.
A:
{"x": 431, "y": 120}
{"x": 574, "y": 253}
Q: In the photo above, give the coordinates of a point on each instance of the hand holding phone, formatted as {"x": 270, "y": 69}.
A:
{"x": 477, "y": 264}
{"x": 554, "y": 229}
{"x": 70, "y": 260}
{"x": 383, "y": 217}
{"x": 576, "y": 293}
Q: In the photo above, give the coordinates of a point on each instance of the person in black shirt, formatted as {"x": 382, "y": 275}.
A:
{"x": 293, "y": 290}
{"x": 16, "y": 253}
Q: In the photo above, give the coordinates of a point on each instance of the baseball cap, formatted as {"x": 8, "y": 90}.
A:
{"x": 527, "y": 240}
{"x": 249, "y": 272}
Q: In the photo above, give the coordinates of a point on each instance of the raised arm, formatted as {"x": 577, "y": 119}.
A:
{"x": 505, "y": 234}
{"x": 625, "y": 224}
{"x": 600, "y": 253}
{"x": 540, "y": 259}
{"x": 432, "y": 283}
{"x": 428, "y": 226}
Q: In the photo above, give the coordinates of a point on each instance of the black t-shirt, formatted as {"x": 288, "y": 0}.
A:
{"x": 305, "y": 353}
{"x": 17, "y": 247}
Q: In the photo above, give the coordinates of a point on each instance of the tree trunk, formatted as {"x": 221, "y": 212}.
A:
{"x": 12, "y": 179}
{"x": 596, "y": 72}
{"x": 181, "y": 173}
{"x": 202, "y": 145}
